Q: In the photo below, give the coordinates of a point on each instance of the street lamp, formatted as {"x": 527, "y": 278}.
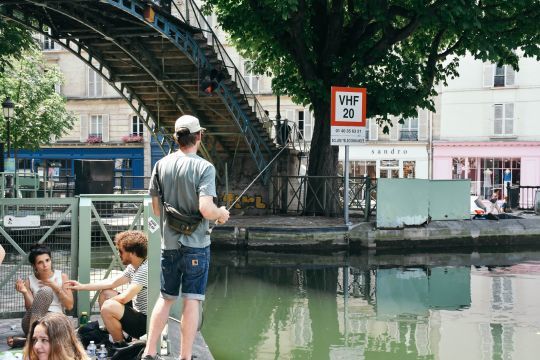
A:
{"x": 8, "y": 108}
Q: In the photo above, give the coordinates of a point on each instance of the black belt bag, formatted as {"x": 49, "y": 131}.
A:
{"x": 185, "y": 224}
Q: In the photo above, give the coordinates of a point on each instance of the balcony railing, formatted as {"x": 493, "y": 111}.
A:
{"x": 408, "y": 135}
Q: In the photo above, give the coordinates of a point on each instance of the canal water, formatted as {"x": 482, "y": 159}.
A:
{"x": 339, "y": 306}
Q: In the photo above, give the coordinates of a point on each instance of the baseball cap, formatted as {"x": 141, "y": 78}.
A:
{"x": 188, "y": 122}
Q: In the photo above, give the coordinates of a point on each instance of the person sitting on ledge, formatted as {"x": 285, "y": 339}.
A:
{"x": 125, "y": 311}
{"x": 44, "y": 291}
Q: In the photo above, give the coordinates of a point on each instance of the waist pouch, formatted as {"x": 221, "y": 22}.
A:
{"x": 185, "y": 224}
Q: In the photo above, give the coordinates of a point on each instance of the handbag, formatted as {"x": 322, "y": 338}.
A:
{"x": 176, "y": 220}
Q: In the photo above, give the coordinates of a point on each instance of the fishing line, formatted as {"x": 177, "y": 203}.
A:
{"x": 253, "y": 182}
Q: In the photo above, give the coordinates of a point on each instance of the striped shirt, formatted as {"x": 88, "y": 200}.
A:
{"x": 139, "y": 276}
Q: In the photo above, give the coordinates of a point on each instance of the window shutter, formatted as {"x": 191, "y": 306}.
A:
{"x": 255, "y": 84}
{"x": 488, "y": 74}
{"x": 90, "y": 91}
{"x": 99, "y": 84}
{"x": 84, "y": 128}
{"x": 105, "y": 134}
{"x": 394, "y": 130}
{"x": 423, "y": 124}
{"x": 509, "y": 119}
{"x": 510, "y": 76}
{"x": 308, "y": 129}
{"x": 498, "y": 119}
{"x": 373, "y": 129}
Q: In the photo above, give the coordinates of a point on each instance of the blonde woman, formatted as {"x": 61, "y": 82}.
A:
{"x": 53, "y": 338}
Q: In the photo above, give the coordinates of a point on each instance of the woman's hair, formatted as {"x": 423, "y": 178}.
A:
{"x": 133, "y": 241}
{"x": 63, "y": 341}
{"x": 36, "y": 250}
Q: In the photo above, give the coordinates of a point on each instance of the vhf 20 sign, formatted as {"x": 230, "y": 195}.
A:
{"x": 348, "y": 116}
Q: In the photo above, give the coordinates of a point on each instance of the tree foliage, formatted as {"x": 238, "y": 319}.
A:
{"x": 40, "y": 112}
{"x": 14, "y": 40}
{"x": 397, "y": 49}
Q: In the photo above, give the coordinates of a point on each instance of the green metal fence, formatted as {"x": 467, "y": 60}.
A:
{"x": 24, "y": 222}
{"x": 80, "y": 231}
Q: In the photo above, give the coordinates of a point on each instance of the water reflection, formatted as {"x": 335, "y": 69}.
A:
{"x": 298, "y": 310}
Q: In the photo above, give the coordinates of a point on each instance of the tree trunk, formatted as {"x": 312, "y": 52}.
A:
{"x": 323, "y": 159}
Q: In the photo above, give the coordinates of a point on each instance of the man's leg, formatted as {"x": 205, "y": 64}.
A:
{"x": 111, "y": 313}
{"x": 188, "y": 327}
{"x": 105, "y": 295}
{"x": 160, "y": 315}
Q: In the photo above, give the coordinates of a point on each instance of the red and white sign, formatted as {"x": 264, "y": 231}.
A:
{"x": 348, "y": 116}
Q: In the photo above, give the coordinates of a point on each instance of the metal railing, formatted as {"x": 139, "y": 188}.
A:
{"x": 24, "y": 222}
{"x": 192, "y": 15}
{"x": 287, "y": 132}
{"x": 300, "y": 194}
{"x": 522, "y": 197}
{"x": 80, "y": 232}
{"x": 408, "y": 135}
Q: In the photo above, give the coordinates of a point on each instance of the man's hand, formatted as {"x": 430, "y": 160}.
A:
{"x": 224, "y": 215}
{"x": 73, "y": 285}
{"x": 20, "y": 286}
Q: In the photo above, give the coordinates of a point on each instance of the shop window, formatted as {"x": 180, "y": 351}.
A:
{"x": 409, "y": 168}
{"x": 458, "y": 168}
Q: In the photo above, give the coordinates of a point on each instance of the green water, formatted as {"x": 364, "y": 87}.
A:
{"x": 439, "y": 306}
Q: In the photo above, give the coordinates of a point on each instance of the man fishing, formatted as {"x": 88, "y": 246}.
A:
{"x": 183, "y": 190}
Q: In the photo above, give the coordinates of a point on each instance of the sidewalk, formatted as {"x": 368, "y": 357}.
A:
{"x": 322, "y": 233}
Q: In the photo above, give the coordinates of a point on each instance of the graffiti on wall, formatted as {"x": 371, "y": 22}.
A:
{"x": 245, "y": 202}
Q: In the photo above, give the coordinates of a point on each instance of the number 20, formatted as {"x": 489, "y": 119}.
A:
{"x": 348, "y": 113}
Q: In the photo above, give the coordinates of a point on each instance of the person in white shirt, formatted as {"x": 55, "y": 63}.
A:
{"x": 124, "y": 311}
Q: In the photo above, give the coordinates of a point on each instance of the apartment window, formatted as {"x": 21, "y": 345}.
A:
{"x": 95, "y": 84}
{"x": 503, "y": 123}
{"x": 499, "y": 76}
{"x": 96, "y": 126}
{"x": 409, "y": 129}
{"x": 137, "y": 126}
{"x": 47, "y": 43}
{"x": 251, "y": 78}
{"x": 304, "y": 124}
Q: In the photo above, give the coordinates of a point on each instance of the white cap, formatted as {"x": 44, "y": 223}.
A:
{"x": 188, "y": 122}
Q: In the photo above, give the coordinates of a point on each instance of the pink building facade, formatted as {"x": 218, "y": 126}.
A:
{"x": 489, "y": 165}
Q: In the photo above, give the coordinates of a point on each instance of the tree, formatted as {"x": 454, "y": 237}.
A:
{"x": 14, "y": 40}
{"x": 397, "y": 49}
{"x": 40, "y": 112}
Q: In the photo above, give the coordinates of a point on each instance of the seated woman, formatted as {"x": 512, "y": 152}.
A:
{"x": 44, "y": 291}
{"x": 53, "y": 337}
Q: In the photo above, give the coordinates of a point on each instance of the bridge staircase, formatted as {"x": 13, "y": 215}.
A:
{"x": 156, "y": 58}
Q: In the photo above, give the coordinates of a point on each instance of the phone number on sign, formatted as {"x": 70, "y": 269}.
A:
{"x": 347, "y": 131}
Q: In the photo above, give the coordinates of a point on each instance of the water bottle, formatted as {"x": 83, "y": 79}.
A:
{"x": 83, "y": 319}
{"x": 102, "y": 352}
{"x": 91, "y": 350}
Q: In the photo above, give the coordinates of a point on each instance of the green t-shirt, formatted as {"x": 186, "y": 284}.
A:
{"x": 183, "y": 178}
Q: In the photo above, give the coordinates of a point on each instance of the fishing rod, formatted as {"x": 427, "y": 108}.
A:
{"x": 253, "y": 182}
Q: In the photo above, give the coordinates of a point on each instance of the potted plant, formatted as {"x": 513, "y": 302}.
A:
{"x": 133, "y": 138}
{"x": 94, "y": 139}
